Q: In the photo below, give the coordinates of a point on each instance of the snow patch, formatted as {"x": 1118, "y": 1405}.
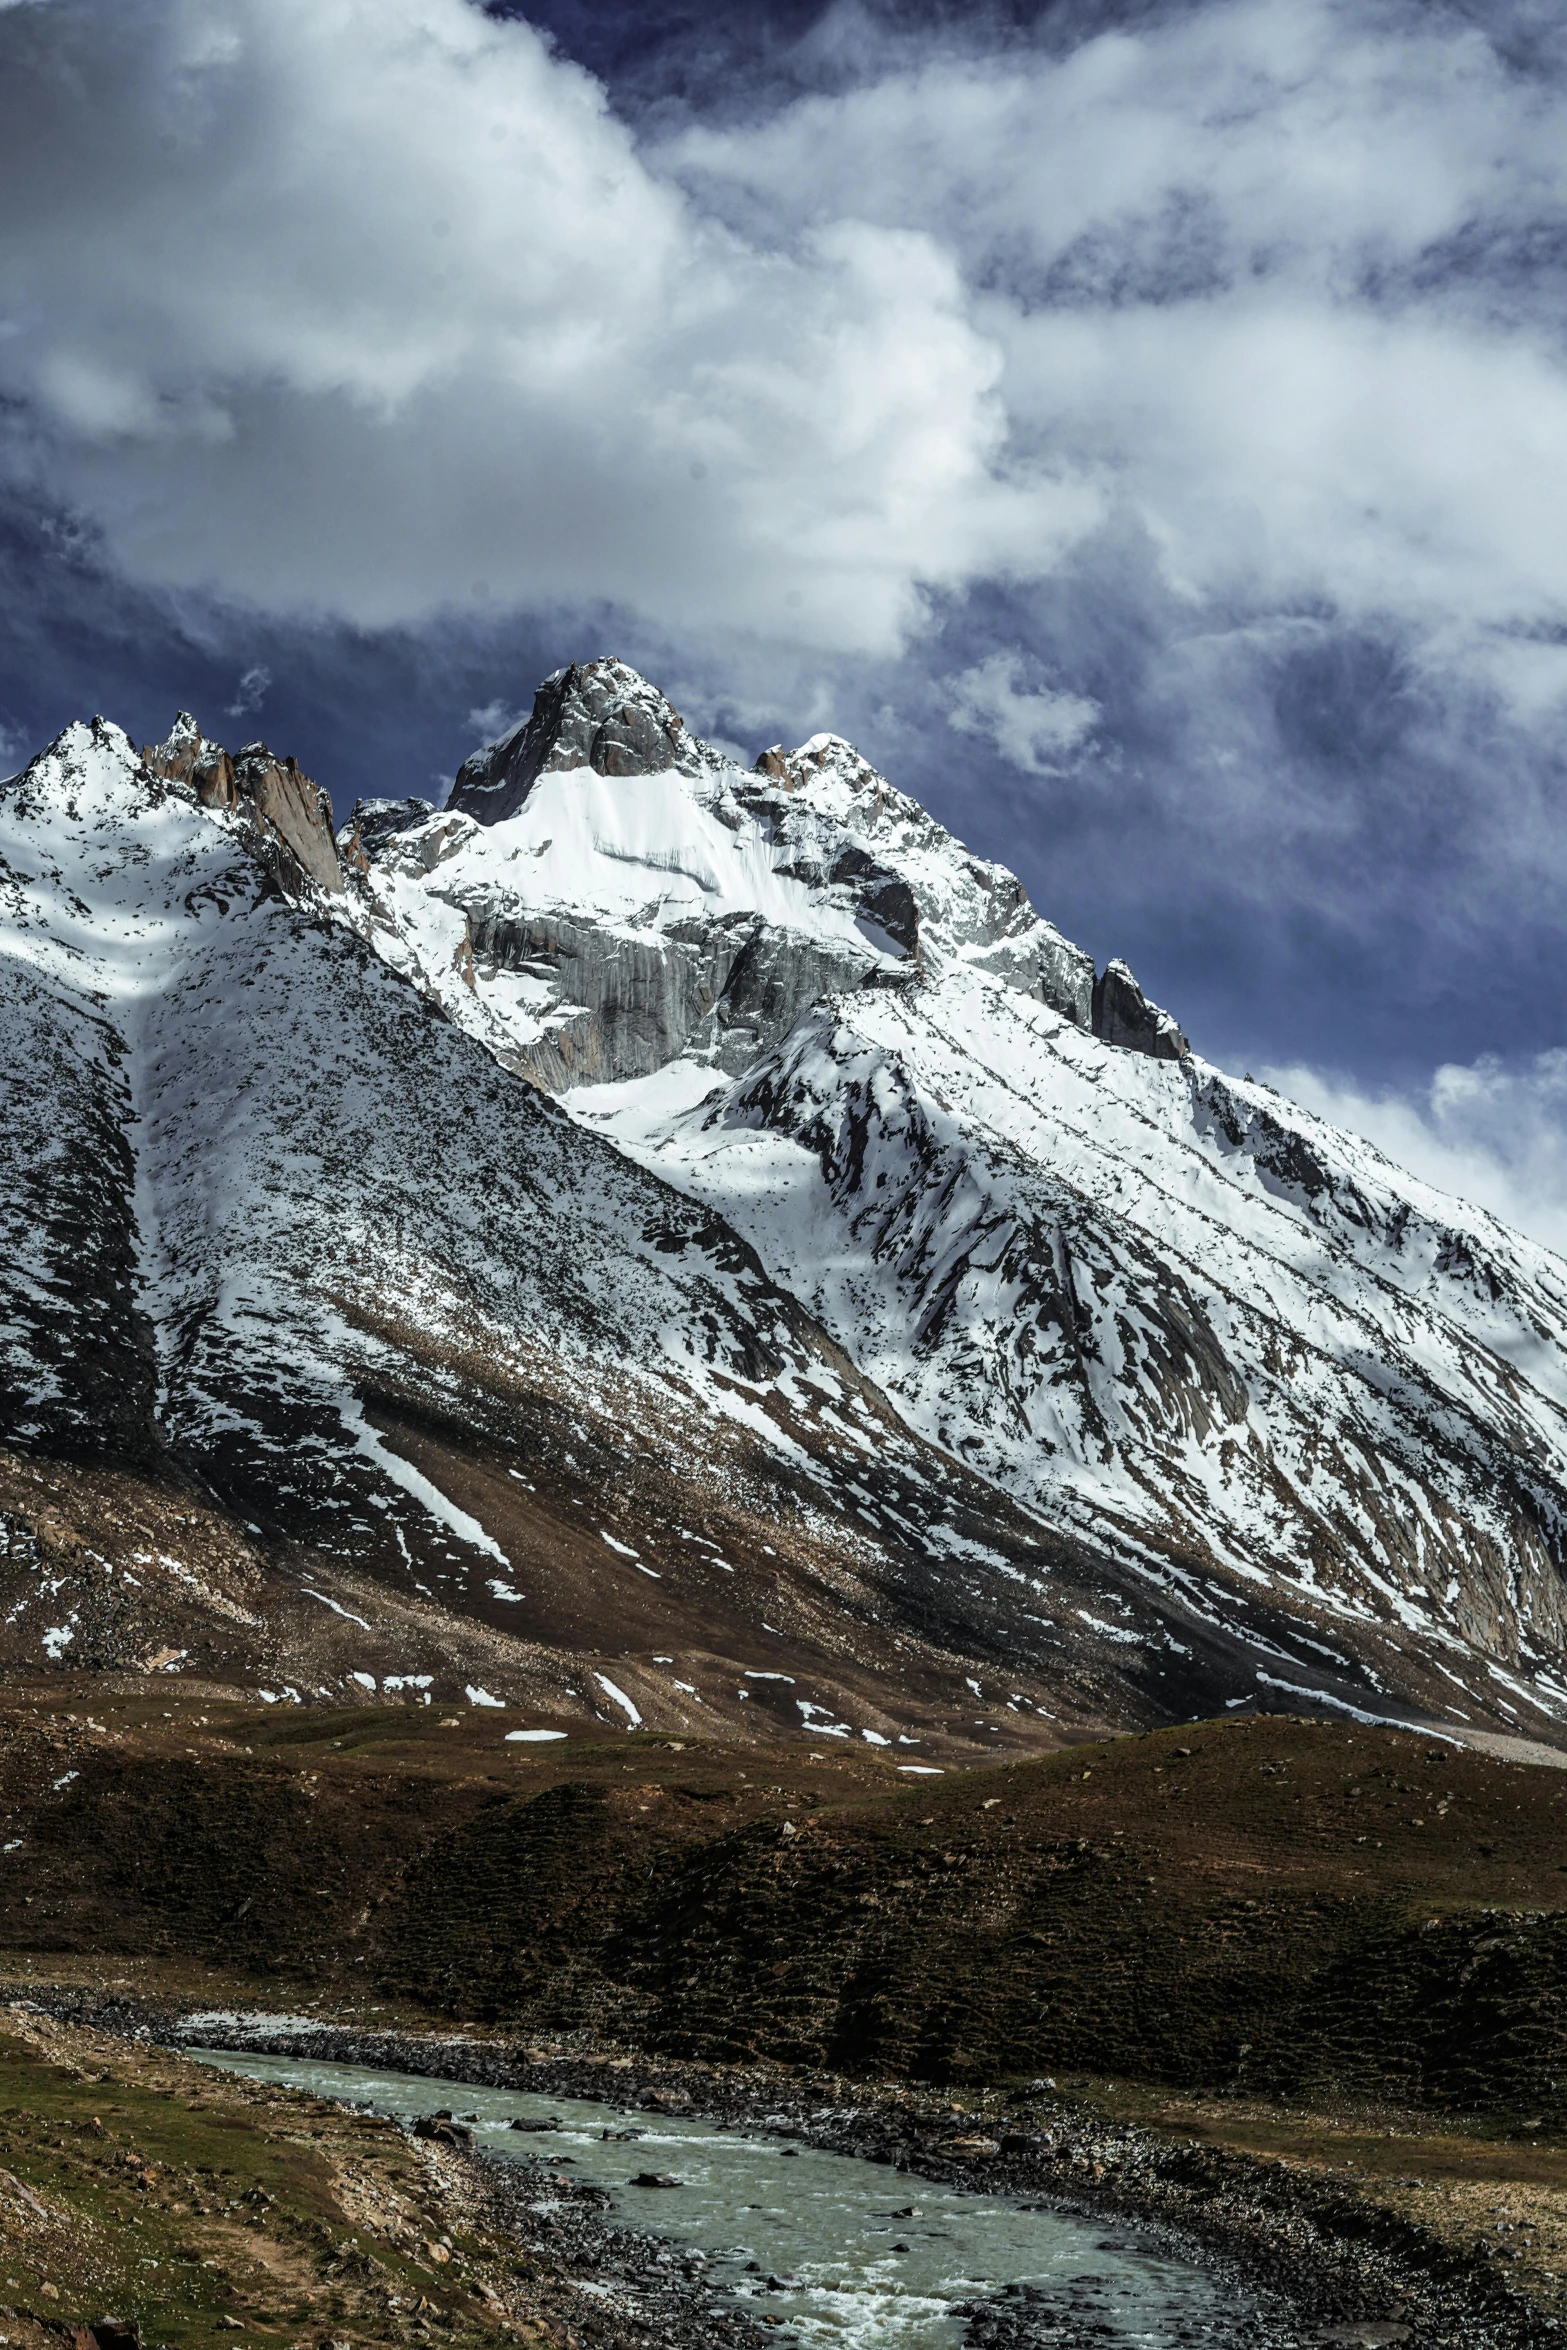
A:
{"x": 333, "y": 1605}
{"x": 621, "y": 1699}
{"x": 373, "y": 1445}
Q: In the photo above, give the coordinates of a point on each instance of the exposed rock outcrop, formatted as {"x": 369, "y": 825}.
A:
{"x": 293, "y": 814}
{"x": 375, "y": 822}
{"x": 295, "y": 811}
{"x": 916, "y": 885}
{"x": 1124, "y": 1016}
{"x": 599, "y": 714}
{"x": 719, "y": 991}
{"x": 185, "y": 756}
{"x": 404, "y": 834}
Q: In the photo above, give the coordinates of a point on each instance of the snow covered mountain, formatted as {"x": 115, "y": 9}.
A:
{"x": 660, "y": 1241}
{"x": 335, "y": 1357}
{"x": 1190, "y": 1327}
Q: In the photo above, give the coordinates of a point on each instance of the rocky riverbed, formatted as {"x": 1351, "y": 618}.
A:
{"x": 613, "y": 2286}
{"x": 1322, "y": 2261}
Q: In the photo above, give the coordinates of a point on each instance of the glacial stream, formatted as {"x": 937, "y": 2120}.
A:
{"x": 867, "y": 2258}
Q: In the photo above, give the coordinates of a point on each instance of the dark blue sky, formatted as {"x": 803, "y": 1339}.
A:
{"x": 1141, "y": 429}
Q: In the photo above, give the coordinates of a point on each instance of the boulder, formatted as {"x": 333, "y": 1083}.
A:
{"x": 443, "y": 2130}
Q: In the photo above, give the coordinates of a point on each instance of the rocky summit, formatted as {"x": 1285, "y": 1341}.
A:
{"x": 661, "y": 1243}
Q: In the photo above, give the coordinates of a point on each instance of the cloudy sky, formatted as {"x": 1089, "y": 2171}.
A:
{"x": 1142, "y": 428}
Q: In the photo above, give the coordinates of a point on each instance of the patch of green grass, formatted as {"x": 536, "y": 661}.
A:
{"x": 151, "y": 2188}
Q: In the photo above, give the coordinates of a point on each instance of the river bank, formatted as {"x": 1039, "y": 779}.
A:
{"x": 1327, "y": 2259}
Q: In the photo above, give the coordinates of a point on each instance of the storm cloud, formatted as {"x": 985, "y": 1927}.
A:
{"x": 1141, "y": 428}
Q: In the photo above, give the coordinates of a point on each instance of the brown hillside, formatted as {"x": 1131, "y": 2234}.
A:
{"x": 1263, "y": 1907}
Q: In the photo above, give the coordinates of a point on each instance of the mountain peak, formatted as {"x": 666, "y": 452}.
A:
{"x": 825, "y": 755}
{"x": 697, "y": 913}
{"x": 185, "y": 756}
{"x": 599, "y": 714}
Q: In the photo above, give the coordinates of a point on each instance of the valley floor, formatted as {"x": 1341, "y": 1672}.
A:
{"x": 202, "y": 2203}
{"x": 1296, "y": 1992}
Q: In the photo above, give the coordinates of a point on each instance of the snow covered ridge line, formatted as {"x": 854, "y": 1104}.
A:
{"x": 1121, "y": 1380}
{"x": 872, "y": 887}
{"x": 543, "y": 963}
{"x": 605, "y": 895}
{"x": 1234, "y": 1346}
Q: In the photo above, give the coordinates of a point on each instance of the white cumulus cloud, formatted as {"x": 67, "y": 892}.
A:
{"x": 376, "y": 306}
{"x": 1276, "y": 274}
{"x": 373, "y": 305}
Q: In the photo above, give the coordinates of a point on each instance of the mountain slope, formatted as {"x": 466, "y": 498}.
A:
{"x": 1095, "y": 1284}
{"x": 1235, "y": 1355}
{"x": 892, "y": 1329}
{"x": 400, "y": 1344}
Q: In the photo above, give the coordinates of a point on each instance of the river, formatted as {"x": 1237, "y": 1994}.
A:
{"x": 849, "y": 2255}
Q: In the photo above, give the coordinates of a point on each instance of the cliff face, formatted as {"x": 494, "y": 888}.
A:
{"x": 1123, "y": 1016}
{"x": 292, "y": 815}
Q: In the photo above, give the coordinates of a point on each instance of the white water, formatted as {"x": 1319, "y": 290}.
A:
{"x": 871, "y": 2258}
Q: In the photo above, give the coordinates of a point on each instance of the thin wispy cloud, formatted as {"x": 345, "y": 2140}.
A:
{"x": 1034, "y": 729}
{"x": 488, "y": 721}
{"x": 251, "y": 692}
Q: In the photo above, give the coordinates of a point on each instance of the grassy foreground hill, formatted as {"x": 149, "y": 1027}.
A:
{"x": 139, "y": 2186}
{"x": 1266, "y": 1906}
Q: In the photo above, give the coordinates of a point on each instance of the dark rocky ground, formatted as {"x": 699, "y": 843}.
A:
{"x": 1331, "y": 1915}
